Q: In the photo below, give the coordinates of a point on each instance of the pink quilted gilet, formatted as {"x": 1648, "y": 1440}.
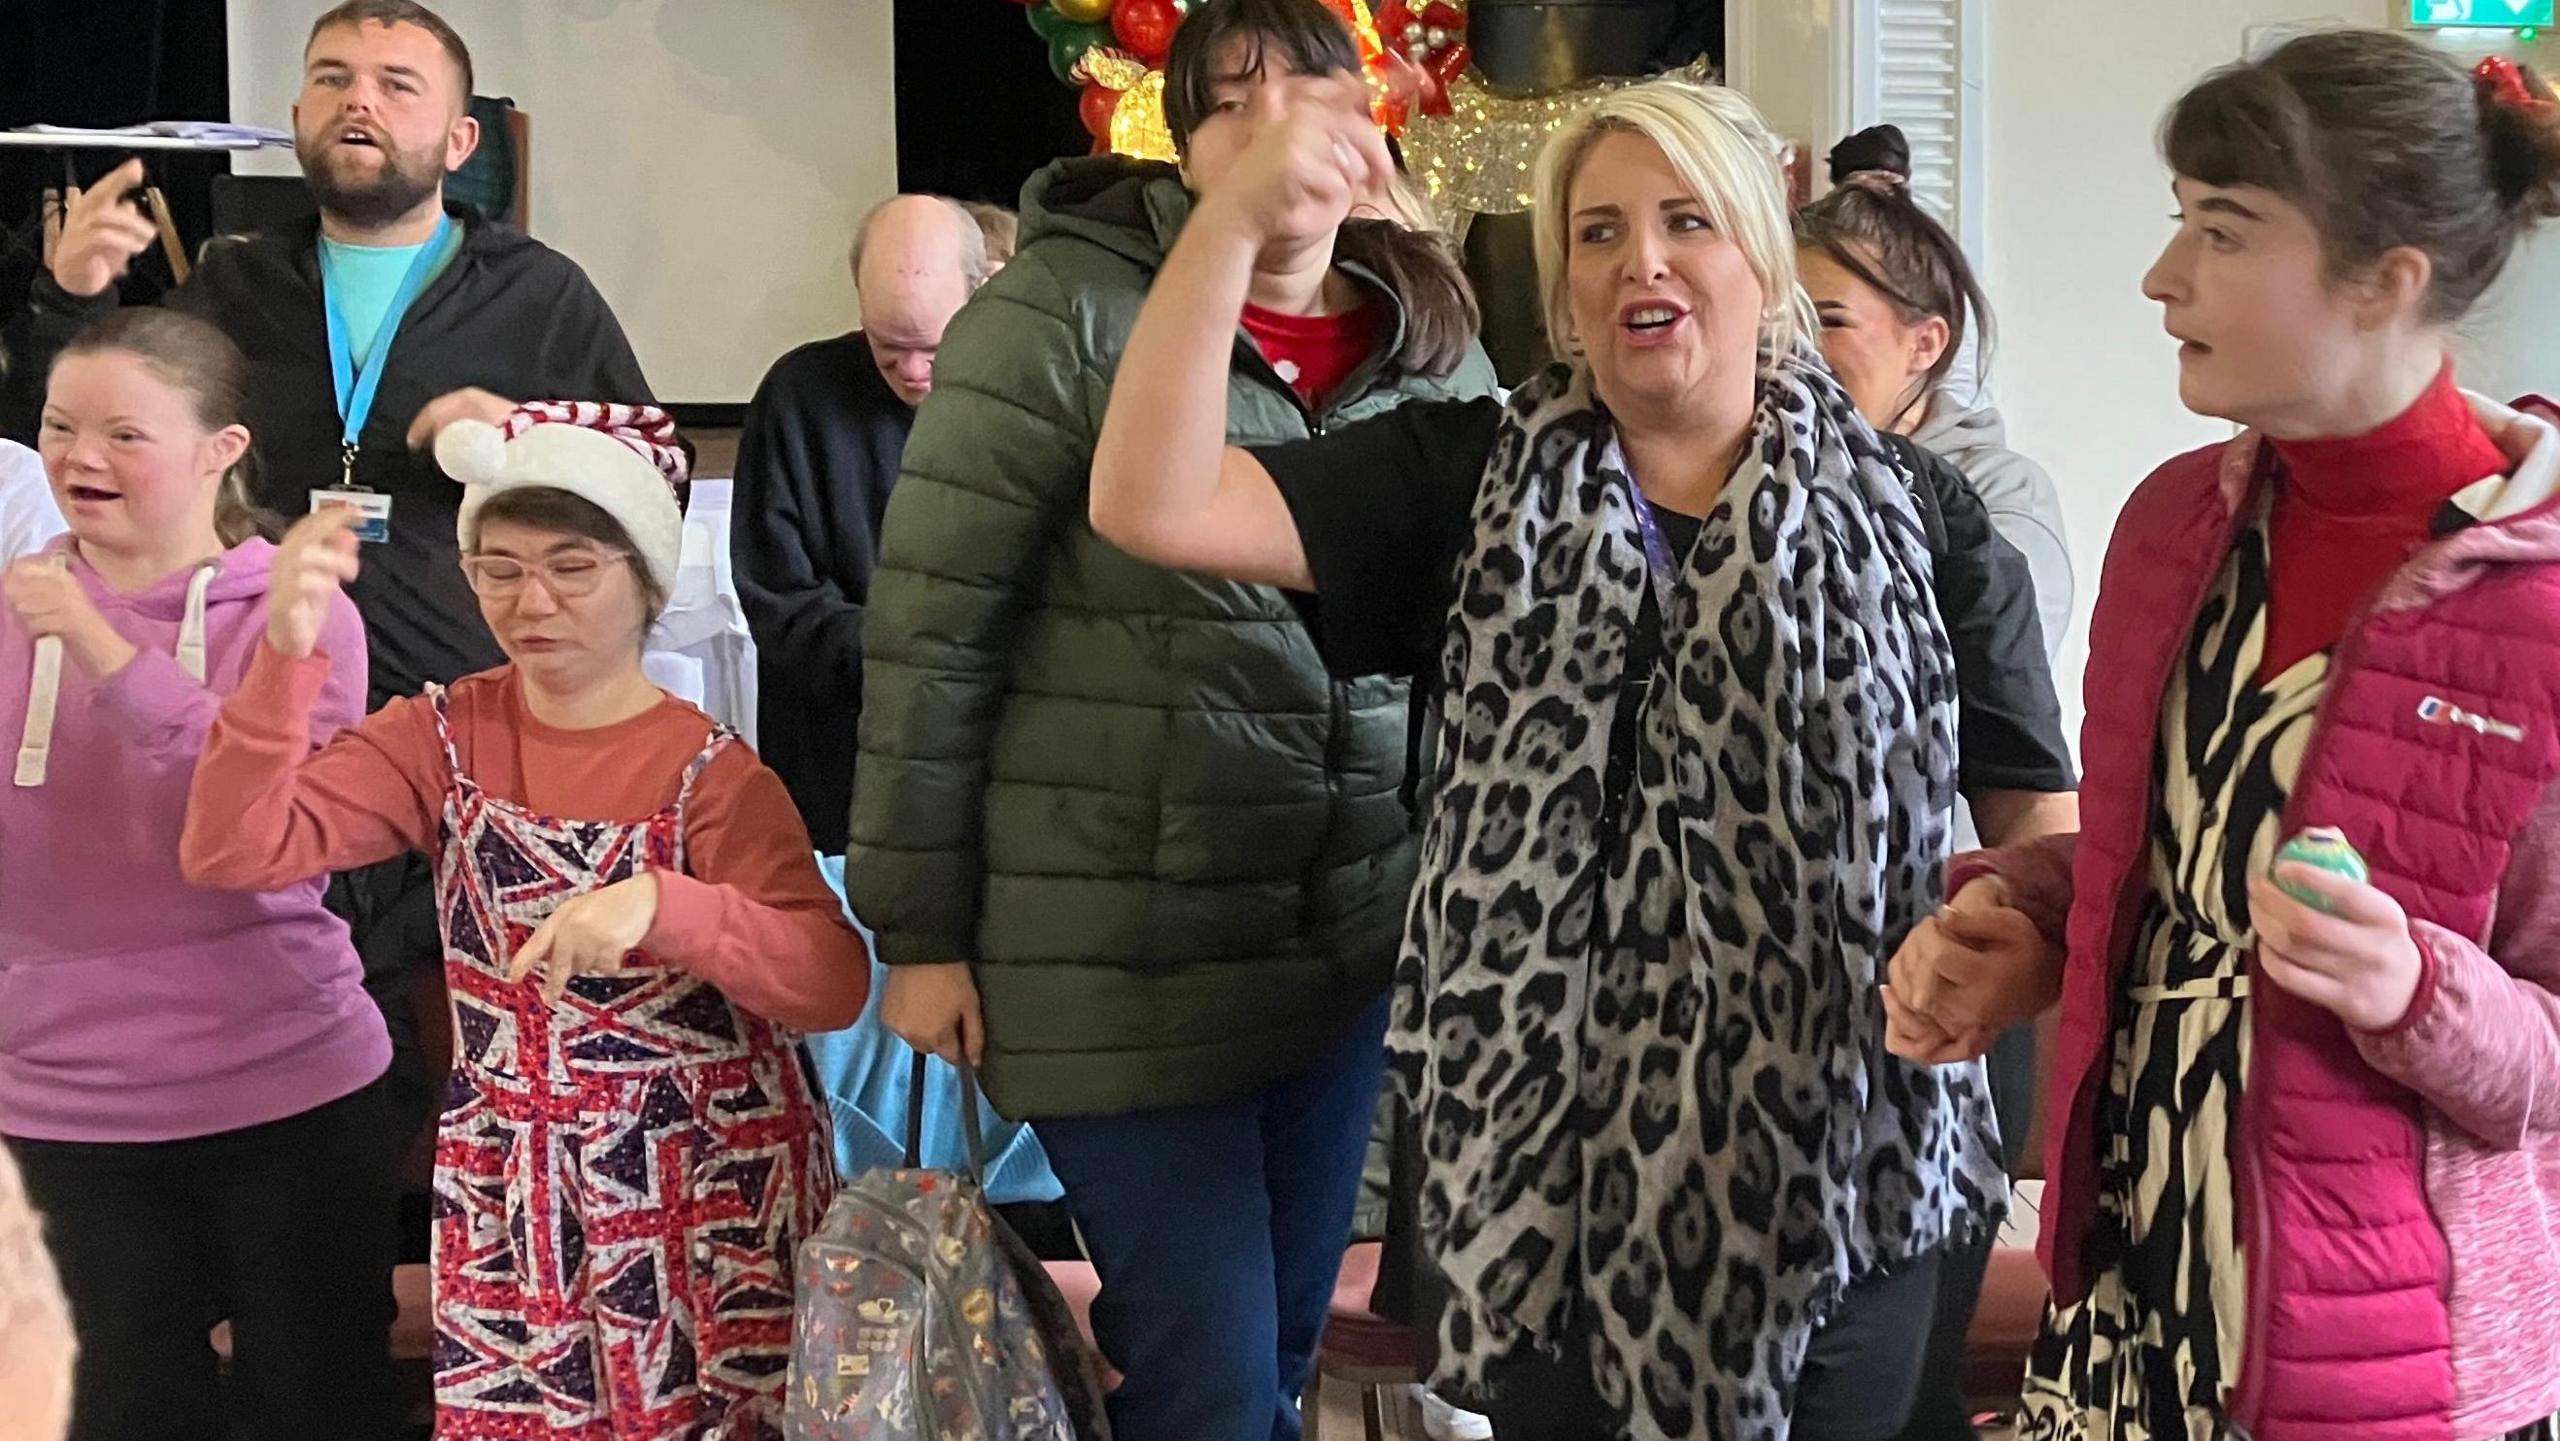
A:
{"x": 2349, "y": 1334}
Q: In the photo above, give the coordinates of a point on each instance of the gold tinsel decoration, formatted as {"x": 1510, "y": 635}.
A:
{"x": 1476, "y": 159}
{"x": 1137, "y": 123}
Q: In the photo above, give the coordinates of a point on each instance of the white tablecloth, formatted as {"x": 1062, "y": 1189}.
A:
{"x": 700, "y": 649}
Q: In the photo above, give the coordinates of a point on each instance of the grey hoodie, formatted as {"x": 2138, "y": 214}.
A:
{"x": 2024, "y": 506}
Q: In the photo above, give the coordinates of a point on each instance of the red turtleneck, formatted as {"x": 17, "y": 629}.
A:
{"x": 2350, "y": 511}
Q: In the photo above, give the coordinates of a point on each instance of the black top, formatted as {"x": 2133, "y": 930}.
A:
{"x": 819, "y": 453}
{"x": 1385, "y": 509}
{"x": 509, "y": 315}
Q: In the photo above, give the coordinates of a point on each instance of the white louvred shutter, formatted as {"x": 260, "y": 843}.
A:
{"x": 1919, "y": 66}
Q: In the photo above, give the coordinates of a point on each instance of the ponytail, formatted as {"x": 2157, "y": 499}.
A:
{"x": 236, "y": 517}
{"x": 2521, "y": 121}
{"x": 1417, "y": 268}
{"x": 1873, "y": 227}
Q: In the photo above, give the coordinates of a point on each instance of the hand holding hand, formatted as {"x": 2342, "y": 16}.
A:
{"x": 1964, "y": 975}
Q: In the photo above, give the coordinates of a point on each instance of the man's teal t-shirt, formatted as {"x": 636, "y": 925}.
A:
{"x": 362, "y": 279}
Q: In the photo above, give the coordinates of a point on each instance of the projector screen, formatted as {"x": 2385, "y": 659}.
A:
{"x": 704, "y": 160}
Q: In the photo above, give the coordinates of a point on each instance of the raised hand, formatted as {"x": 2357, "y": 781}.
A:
{"x": 315, "y": 559}
{"x": 101, "y": 234}
{"x": 468, "y": 403}
{"x": 1301, "y": 176}
{"x": 48, "y": 601}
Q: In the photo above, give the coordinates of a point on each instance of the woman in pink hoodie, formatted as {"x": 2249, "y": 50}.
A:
{"x": 187, "y": 1077}
{"x": 2305, "y": 1164}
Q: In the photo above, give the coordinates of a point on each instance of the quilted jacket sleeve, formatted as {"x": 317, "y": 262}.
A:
{"x": 997, "y": 462}
{"x": 2481, "y": 1040}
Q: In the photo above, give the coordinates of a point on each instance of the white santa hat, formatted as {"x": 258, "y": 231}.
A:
{"x": 622, "y": 458}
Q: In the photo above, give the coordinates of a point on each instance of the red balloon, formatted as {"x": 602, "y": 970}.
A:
{"x": 1095, "y": 107}
{"x": 1146, "y": 26}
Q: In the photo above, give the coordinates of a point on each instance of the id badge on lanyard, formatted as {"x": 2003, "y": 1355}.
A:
{"x": 357, "y": 386}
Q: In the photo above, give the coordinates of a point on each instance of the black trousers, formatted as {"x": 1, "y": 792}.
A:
{"x": 1940, "y": 1413}
{"x": 1859, "y": 1376}
{"x": 390, "y": 911}
{"x": 286, "y": 1230}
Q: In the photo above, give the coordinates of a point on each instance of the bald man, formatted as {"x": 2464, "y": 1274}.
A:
{"x": 820, "y": 450}
{"x": 822, "y": 444}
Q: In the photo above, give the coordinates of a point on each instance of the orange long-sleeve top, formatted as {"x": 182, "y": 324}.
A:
{"x": 751, "y": 914}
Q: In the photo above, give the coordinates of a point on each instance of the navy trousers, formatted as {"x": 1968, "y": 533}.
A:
{"x": 1218, "y": 1231}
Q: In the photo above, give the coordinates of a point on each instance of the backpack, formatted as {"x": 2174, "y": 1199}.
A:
{"x": 922, "y": 1317}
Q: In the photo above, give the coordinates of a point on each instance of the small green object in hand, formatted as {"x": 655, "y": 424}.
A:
{"x": 2325, "y": 849}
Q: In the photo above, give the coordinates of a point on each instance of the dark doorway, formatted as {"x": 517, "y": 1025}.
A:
{"x": 978, "y": 110}
{"x": 102, "y": 63}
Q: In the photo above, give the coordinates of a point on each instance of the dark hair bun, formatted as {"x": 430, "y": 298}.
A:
{"x": 2524, "y": 149}
{"x": 1878, "y": 147}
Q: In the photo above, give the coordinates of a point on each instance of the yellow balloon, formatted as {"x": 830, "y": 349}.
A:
{"x": 1084, "y": 12}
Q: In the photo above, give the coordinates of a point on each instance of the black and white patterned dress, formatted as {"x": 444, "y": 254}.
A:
{"x": 2148, "y": 1355}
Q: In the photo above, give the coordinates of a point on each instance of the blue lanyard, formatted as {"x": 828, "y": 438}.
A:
{"x": 356, "y": 389}
{"x": 1657, "y": 553}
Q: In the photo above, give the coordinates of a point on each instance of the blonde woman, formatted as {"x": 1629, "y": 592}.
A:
{"x": 1695, "y": 718}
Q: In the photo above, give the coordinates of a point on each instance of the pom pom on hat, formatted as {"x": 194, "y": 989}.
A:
{"x": 623, "y": 459}
{"x": 473, "y": 452}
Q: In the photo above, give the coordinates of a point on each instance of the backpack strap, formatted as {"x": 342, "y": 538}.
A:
{"x": 917, "y": 1074}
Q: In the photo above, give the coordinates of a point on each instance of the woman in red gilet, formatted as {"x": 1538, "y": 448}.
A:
{"x": 2306, "y": 1129}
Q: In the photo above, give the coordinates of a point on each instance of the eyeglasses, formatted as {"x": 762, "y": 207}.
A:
{"x": 569, "y": 577}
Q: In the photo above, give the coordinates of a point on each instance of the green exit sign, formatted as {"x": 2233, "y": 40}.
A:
{"x": 2486, "y": 14}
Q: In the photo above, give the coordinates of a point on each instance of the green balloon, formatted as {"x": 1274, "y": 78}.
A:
{"x": 1068, "y": 46}
{"x": 1046, "y": 22}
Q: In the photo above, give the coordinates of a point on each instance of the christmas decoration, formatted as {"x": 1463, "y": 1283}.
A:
{"x": 1117, "y": 48}
{"x": 1146, "y": 27}
{"x": 1095, "y": 107}
{"x": 1067, "y": 52}
{"x": 1475, "y": 157}
{"x": 1111, "y": 69}
{"x": 1432, "y": 34}
{"x": 1138, "y": 127}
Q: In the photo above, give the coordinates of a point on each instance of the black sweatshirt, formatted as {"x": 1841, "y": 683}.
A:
{"x": 509, "y": 315}
{"x": 820, "y": 451}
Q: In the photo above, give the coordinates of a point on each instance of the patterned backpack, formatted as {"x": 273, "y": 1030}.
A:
{"x": 922, "y": 1317}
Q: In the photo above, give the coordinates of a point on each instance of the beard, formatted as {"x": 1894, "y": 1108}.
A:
{"x": 402, "y": 183}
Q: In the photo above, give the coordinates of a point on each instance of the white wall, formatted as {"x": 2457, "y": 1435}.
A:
{"x": 1790, "y": 58}
{"x": 705, "y": 160}
{"x": 2078, "y": 205}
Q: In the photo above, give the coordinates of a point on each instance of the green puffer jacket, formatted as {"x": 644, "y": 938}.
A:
{"x": 1170, "y": 842}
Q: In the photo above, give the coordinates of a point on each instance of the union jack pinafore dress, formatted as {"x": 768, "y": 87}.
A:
{"x": 621, "y": 1178}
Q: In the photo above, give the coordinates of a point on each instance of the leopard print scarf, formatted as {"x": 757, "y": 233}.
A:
{"x": 1641, "y": 1029}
